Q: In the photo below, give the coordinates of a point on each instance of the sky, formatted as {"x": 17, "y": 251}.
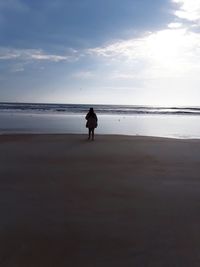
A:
{"x": 134, "y": 52}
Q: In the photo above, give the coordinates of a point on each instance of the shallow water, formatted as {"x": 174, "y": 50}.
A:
{"x": 175, "y": 126}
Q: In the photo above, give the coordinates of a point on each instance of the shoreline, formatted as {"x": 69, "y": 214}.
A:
{"x": 123, "y": 136}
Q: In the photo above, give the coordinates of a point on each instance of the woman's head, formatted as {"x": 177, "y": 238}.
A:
{"x": 91, "y": 110}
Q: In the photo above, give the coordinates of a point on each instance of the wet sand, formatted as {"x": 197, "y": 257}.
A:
{"x": 117, "y": 201}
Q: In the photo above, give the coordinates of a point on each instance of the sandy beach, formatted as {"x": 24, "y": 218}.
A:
{"x": 117, "y": 201}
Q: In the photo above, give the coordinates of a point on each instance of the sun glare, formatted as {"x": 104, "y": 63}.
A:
{"x": 165, "y": 46}
{"x": 173, "y": 50}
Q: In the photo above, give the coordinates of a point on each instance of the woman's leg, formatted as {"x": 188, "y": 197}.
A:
{"x": 89, "y": 133}
{"x": 92, "y": 134}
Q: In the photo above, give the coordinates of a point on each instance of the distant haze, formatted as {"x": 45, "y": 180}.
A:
{"x": 109, "y": 51}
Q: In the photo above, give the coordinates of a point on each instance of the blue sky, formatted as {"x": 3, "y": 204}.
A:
{"x": 109, "y": 51}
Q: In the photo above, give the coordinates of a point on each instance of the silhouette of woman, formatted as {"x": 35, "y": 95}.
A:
{"x": 91, "y": 124}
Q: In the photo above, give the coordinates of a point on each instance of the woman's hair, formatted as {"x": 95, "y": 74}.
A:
{"x": 91, "y": 113}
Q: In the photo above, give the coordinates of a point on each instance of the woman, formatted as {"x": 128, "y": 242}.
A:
{"x": 91, "y": 124}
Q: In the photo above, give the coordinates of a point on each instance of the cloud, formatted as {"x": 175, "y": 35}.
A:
{"x": 129, "y": 49}
{"x": 83, "y": 75}
{"x": 158, "y": 46}
{"x": 18, "y": 60}
{"x": 34, "y": 55}
{"x": 171, "y": 52}
{"x": 161, "y": 64}
{"x": 118, "y": 75}
{"x": 19, "y": 67}
{"x": 175, "y": 25}
{"x": 38, "y": 55}
{"x": 7, "y": 54}
{"x": 188, "y": 9}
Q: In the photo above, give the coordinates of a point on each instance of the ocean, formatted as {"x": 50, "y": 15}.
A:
{"x": 172, "y": 122}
